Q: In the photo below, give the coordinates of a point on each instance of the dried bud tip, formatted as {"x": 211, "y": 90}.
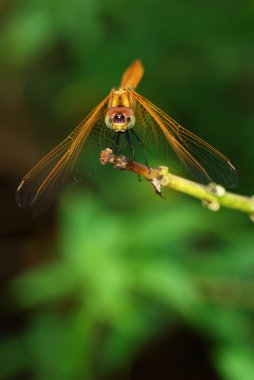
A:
{"x": 217, "y": 190}
{"x": 211, "y": 205}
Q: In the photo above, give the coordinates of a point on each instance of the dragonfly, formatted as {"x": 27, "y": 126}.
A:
{"x": 123, "y": 112}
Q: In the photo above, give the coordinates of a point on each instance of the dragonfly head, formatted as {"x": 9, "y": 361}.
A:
{"x": 120, "y": 118}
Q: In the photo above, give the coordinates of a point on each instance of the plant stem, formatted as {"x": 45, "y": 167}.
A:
{"x": 213, "y": 196}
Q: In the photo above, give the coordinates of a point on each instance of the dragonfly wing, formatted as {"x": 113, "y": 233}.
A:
{"x": 39, "y": 188}
{"x": 205, "y": 163}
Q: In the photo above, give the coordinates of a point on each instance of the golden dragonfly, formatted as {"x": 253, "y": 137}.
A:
{"x": 122, "y": 112}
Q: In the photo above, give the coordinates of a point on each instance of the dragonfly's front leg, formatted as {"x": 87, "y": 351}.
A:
{"x": 115, "y": 142}
{"x": 130, "y": 143}
{"x": 143, "y": 147}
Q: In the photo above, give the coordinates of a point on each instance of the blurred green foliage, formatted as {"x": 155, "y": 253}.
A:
{"x": 126, "y": 265}
{"x": 121, "y": 278}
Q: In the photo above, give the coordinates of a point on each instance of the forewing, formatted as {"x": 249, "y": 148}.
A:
{"x": 39, "y": 188}
{"x": 205, "y": 163}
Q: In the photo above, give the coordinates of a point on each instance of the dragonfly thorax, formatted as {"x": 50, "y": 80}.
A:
{"x": 120, "y": 118}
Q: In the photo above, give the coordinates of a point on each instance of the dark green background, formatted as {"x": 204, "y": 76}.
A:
{"x": 113, "y": 282}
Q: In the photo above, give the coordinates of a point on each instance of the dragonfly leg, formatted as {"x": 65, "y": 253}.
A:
{"x": 130, "y": 143}
{"x": 132, "y": 147}
{"x": 142, "y": 146}
{"x": 115, "y": 142}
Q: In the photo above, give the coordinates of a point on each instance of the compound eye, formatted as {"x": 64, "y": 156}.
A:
{"x": 130, "y": 121}
{"x": 108, "y": 121}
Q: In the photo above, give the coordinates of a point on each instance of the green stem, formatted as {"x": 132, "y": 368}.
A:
{"x": 206, "y": 193}
{"x": 213, "y": 196}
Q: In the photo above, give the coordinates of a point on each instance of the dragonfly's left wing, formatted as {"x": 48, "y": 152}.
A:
{"x": 205, "y": 163}
{"x": 46, "y": 180}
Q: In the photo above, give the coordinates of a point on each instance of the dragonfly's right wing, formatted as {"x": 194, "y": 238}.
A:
{"x": 39, "y": 188}
{"x": 204, "y": 161}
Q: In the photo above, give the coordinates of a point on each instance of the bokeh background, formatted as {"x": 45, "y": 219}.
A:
{"x": 112, "y": 282}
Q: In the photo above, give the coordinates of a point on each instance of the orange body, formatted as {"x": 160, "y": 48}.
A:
{"x": 121, "y": 105}
{"x": 132, "y": 76}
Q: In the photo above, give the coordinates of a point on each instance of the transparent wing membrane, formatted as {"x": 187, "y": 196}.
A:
{"x": 205, "y": 163}
{"x": 39, "y": 188}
